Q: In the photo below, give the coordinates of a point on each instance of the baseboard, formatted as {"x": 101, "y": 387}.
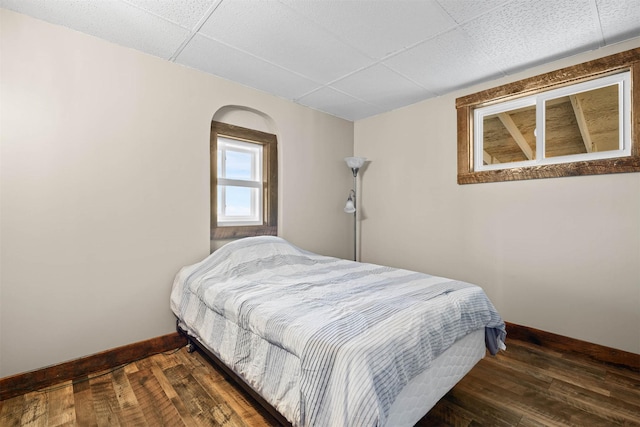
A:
{"x": 22, "y": 383}
{"x": 561, "y": 343}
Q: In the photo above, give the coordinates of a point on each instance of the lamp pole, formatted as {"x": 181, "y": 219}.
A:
{"x": 355, "y": 214}
{"x": 354, "y": 163}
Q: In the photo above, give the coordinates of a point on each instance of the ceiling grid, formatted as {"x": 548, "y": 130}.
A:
{"x": 352, "y": 59}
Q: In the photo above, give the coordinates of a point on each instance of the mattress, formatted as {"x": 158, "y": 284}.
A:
{"x": 414, "y": 401}
{"x": 426, "y": 389}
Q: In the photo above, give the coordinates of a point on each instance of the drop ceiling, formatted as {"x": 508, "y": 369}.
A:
{"x": 352, "y": 59}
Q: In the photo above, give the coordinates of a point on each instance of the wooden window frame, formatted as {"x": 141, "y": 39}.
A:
{"x": 628, "y": 60}
{"x": 269, "y": 226}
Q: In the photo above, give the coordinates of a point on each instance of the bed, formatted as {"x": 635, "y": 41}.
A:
{"x": 330, "y": 342}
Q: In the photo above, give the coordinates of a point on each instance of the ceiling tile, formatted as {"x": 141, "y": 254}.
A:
{"x": 620, "y": 19}
{"x": 339, "y": 104}
{"x": 447, "y": 62}
{"x": 523, "y": 33}
{"x": 115, "y": 21}
{"x": 272, "y": 31}
{"x": 186, "y": 13}
{"x": 367, "y": 26}
{"x": 464, "y": 10}
{"x": 224, "y": 61}
{"x": 381, "y": 86}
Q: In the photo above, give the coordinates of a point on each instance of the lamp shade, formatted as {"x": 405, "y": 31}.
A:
{"x": 355, "y": 162}
{"x": 349, "y": 207}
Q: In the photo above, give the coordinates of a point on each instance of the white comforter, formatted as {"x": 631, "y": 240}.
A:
{"x": 358, "y": 332}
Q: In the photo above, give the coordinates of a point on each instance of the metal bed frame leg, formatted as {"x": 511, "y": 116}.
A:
{"x": 191, "y": 346}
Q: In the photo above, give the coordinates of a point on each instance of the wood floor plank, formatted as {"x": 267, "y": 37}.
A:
{"x": 105, "y": 401}
{"x": 83, "y": 399}
{"x": 199, "y": 404}
{"x": 529, "y": 422}
{"x": 238, "y": 399}
{"x": 166, "y": 361}
{"x": 623, "y": 380}
{"x": 508, "y": 379}
{"x": 484, "y": 412}
{"x": 172, "y": 395}
{"x": 61, "y": 411}
{"x": 446, "y": 413}
{"x": 627, "y": 395}
{"x": 521, "y": 367}
{"x": 35, "y": 413}
{"x": 147, "y": 362}
{"x": 614, "y": 411}
{"x": 558, "y": 367}
{"x": 237, "y": 405}
{"x": 535, "y": 404}
{"x": 131, "y": 412}
{"x": 130, "y": 368}
{"x": 536, "y": 357}
{"x": 155, "y": 404}
{"x": 11, "y": 411}
{"x": 581, "y": 419}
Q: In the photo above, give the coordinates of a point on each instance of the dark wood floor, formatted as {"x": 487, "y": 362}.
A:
{"x": 524, "y": 386}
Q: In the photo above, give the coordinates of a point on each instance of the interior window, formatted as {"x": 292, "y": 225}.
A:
{"x": 579, "y": 120}
{"x": 244, "y": 182}
{"x": 586, "y": 121}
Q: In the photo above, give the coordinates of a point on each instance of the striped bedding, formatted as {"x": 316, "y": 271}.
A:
{"x": 328, "y": 342}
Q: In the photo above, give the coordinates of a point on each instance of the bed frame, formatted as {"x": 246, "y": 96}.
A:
{"x": 194, "y": 345}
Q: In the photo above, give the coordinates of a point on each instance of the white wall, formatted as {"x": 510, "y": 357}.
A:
{"x": 104, "y": 188}
{"x": 561, "y": 255}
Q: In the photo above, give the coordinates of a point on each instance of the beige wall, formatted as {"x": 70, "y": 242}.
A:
{"x": 104, "y": 195}
{"x": 561, "y": 255}
{"x": 105, "y": 187}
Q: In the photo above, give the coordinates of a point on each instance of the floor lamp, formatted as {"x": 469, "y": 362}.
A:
{"x": 355, "y": 163}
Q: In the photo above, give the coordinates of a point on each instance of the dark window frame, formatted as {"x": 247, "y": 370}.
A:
{"x": 269, "y": 142}
{"x": 628, "y": 60}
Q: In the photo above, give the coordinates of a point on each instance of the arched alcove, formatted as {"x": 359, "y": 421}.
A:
{"x": 246, "y": 117}
{"x": 238, "y": 129}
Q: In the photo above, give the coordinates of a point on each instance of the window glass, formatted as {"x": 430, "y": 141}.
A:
{"x": 509, "y": 136}
{"x": 239, "y": 159}
{"x": 238, "y": 204}
{"x": 240, "y": 183}
{"x": 584, "y": 121}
